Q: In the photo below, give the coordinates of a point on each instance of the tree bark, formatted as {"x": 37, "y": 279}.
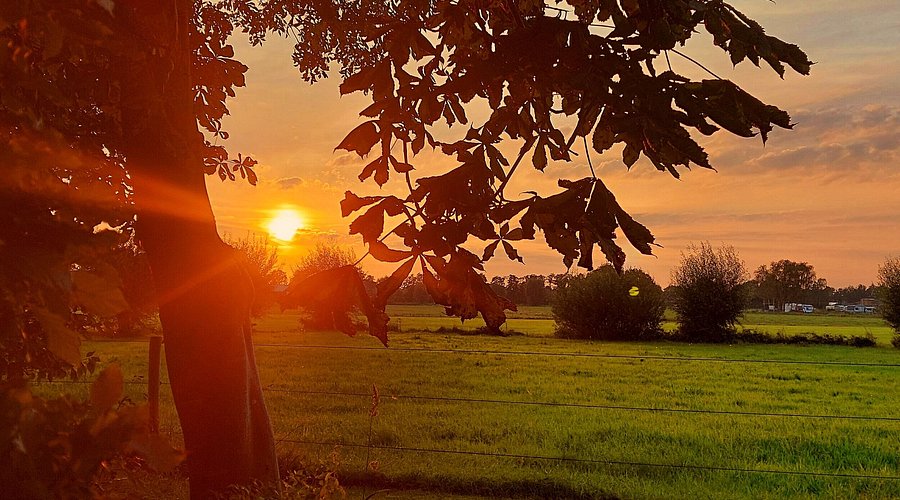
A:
{"x": 204, "y": 291}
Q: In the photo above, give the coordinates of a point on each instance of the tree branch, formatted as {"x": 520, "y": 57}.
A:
{"x": 587, "y": 153}
{"x": 525, "y": 148}
{"x": 691, "y": 59}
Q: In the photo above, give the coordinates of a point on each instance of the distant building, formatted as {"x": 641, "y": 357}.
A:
{"x": 869, "y": 302}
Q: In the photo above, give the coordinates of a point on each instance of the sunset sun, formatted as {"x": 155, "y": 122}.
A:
{"x": 284, "y": 224}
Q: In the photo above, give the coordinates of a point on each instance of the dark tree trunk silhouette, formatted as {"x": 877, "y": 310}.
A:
{"x": 203, "y": 290}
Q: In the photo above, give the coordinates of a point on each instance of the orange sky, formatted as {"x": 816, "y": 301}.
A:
{"x": 827, "y": 193}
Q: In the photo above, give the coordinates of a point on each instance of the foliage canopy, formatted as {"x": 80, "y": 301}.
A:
{"x": 554, "y": 81}
{"x": 889, "y": 281}
{"x": 786, "y": 281}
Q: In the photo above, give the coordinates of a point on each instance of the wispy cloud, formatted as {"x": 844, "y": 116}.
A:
{"x": 289, "y": 182}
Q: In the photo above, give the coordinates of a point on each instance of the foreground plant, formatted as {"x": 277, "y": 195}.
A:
{"x": 55, "y": 448}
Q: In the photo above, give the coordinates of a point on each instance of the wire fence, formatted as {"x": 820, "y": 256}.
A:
{"x": 649, "y": 357}
{"x": 595, "y": 461}
{"x": 574, "y": 405}
{"x": 586, "y": 355}
{"x": 584, "y": 405}
{"x": 594, "y": 406}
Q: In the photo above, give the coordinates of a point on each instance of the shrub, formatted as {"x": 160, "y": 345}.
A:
{"x": 804, "y": 338}
{"x": 261, "y": 260}
{"x": 889, "y": 283}
{"x": 608, "y": 306}
{"x": 709, "y": 292}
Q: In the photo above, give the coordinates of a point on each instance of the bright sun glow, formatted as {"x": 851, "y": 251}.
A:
{"x": 284, "y": 224}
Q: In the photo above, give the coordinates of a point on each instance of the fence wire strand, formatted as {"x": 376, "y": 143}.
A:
{"x": 584, "y": 355}
{"x": 555, "y": 354}
{"x": 592, "y": 460}
{"x": 594, "y": 406}
{"x": 387, "y": 396}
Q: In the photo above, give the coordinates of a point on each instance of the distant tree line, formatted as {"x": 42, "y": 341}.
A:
{"x": 785, "y": 281}
{"x": 710, "y": 288}
{"x": 529, "y": 290}
{"x": 775, "y": 284}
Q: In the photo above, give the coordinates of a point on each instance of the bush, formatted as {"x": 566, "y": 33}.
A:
{"x": 709, "y": 292}
{"x": 607, "y": 306}
{"x": 261, "y": 260}
{"x": 889, "y": 283}
{"x": 805, "y": 338}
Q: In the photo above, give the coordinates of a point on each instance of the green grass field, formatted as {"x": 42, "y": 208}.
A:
{"x": 539, "y": 321}
{"x": 642, "y": 403}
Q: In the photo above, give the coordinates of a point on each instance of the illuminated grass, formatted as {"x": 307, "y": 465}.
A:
{"x": 737, "y": 441}
{"x": 539, "y": 321}
{"x": 778, "y": 443}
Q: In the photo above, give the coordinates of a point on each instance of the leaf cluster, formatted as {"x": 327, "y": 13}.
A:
{"x": 300, "y": 480}
{"x": 62, "y": 74}
{"x": 52, "y": 197}
{"x": 331, "y": 310}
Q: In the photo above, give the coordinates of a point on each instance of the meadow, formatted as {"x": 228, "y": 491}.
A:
{"x": 530, "y": 415}
{"x": 538, "y": 321}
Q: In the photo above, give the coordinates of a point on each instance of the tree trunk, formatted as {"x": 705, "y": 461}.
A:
{"x": 204, "y": 292}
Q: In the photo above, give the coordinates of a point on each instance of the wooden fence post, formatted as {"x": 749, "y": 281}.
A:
{"x": 153, "y": 384}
